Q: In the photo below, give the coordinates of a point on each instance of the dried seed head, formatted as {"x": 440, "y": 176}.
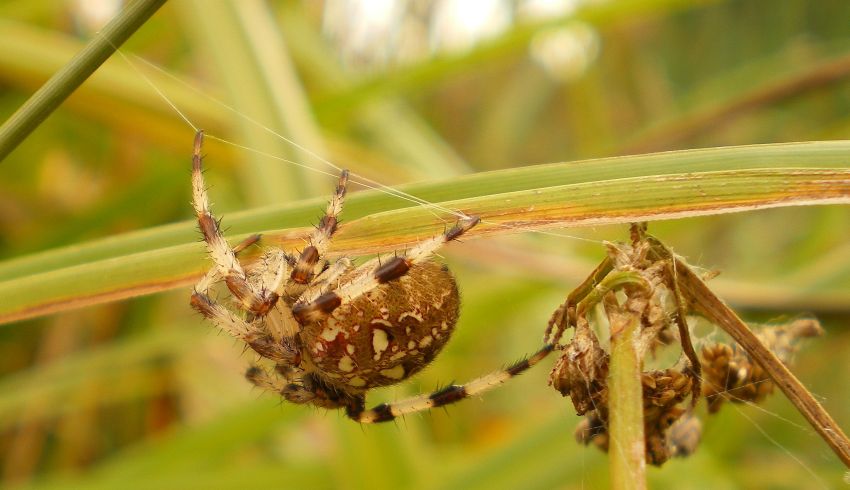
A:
{"x": 663, "y": 391}
{"x": 581, "y": 371}
{"x": 730, "y": 374}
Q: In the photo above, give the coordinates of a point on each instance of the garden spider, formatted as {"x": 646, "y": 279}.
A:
{"x": 334, "y": 331}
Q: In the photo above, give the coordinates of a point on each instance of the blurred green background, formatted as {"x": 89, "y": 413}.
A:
{"x": 143, "y": 394}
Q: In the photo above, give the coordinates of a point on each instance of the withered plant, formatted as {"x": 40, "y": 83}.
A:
{"x": 641, "y": 298}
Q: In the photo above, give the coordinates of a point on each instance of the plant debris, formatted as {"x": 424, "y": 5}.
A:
{"x": 644, "y": 282}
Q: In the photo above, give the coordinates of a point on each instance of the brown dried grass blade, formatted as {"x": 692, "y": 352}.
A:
{"x": 705, "y": 302}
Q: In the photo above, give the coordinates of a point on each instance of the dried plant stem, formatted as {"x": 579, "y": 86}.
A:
{"x": 704, "y": 301}
{"x": 627, "y": 451}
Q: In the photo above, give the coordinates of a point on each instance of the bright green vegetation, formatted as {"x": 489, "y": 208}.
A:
{"x": 139, "y": 393}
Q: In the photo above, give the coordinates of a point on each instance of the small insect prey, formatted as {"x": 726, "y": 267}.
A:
{"x": 646, "y": 285}
{"x": 335, "y": 331}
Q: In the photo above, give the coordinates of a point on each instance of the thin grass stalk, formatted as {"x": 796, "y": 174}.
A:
{"x": 62, "y": 84}
{"x": 627, "y": 456}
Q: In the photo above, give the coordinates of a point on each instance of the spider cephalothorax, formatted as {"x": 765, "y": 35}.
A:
{"x": 334, "y": 331}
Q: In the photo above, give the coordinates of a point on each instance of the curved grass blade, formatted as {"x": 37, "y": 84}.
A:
{"x": 811, "y": 155}
{"x": 591, "y": 203}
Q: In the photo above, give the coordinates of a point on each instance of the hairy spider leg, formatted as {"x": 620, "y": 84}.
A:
{"x": 291, "y": 391}
{"x": 445, "y": 396}
{"x": 272, "y": 271}
{"x": 261, "y": 378}
{"x": 221, "y": 316}
{"x": 252, "y": 332}
{"x": 326, "y": 280}
{"x": 320, "y": 238}
{"x": 213, "y": 275}
{"x": 376, "y": 272}
{"x": 257, "y": 301}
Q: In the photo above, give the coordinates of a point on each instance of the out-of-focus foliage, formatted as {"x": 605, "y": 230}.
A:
{"x": 142, "y": 394}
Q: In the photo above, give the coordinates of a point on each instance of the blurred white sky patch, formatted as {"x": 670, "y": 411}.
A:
{"x": 547, "y": 9}
{"x": 567, "y": 52}
{"x": 92, "y": 15}
{"x": 365, "y": 30}
{"x": 374, "y": 34}
{"x": 458, "y": 25}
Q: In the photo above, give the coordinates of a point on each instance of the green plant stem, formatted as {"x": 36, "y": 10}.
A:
{"x": 625, "y": 405}
{"x": 65, "y": 81}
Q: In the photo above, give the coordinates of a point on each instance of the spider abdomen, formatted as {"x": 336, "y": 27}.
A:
{"x": 387, "y": 334}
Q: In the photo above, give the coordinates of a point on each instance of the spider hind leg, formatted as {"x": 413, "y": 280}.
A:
{"x": 300, "y": 388}
{"x": 447, "y": 395}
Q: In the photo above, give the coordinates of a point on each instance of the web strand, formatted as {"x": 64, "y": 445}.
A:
{"x": 361, "y": 179}
{"x": 357, "y": 178}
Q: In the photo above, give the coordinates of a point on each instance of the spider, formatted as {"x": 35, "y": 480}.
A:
{"x": 335, "y": 331}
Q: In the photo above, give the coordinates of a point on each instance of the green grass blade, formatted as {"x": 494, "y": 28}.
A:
{"x": 814, "y": 155}
{"x": 590, "y": 203}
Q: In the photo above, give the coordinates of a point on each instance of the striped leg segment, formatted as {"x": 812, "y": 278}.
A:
{"x": 327, "y": 280}
{"x": 250, "y": 332}
{"x": 261, "y": 378}
{"x": 376, "y": 272}
{"x": 320, "y": 239}
{"x": 213, "y": 275}
{"x": 220, "y": 315}
{"x": 297, "y": 389}
{"x": 257, "y": 302}
{"x": 449, "y": 394}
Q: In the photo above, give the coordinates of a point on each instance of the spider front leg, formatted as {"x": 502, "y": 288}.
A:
{"x": 204, "y": 305}
{"x": 374, "y": 273}
{"x": 213, "y": 275}
{"x": 256, "y": 301}
{"x": 267, "y": 339}
{"x": 320, "y": 239}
